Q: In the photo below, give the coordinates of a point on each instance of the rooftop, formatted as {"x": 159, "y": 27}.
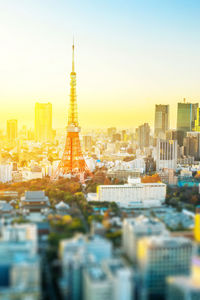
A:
{"x": 167, "y": 241}
{"x": 96, "y": 273}
{"x": 34, "y": 195}
{"x": 185, "y": 282}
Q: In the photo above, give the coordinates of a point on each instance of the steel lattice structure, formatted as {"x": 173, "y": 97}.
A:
{"x": 72, "y": 161}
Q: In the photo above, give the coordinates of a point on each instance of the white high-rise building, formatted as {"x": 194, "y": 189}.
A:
{"x": 133, "y": 229}
{"x": 166, "y": 154}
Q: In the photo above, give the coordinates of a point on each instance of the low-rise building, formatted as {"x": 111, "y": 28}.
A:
{"x": 133, "y": 194}
{"x": 34, "y": 201}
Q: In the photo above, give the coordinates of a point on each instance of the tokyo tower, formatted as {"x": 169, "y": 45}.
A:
{"x": 72, "y": 161}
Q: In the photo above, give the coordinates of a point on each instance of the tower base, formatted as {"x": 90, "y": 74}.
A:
{"x": 72, "y": 161}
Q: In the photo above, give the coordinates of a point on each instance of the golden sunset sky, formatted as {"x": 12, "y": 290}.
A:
{"x": 129, "y": 56}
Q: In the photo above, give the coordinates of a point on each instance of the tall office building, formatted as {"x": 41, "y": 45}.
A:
{"x": 11, "y": 130}
{"x": 186, "y": 117}
{"x": 43, "y": 122}
{"x": 160, "y": 257}
{"x": 166, "y": 154}
{"x": 144, "y": 135}
{"x": 161, "y": 119}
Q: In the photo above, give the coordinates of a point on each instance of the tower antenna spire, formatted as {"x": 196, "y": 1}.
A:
{"x": 73, "y": 69}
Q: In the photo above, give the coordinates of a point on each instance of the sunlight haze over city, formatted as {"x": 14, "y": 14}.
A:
{"x": 129, "y": 56}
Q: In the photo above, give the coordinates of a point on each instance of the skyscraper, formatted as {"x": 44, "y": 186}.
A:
{"x": 144, "y": 135}
{"x": 161, "y": 119}
{"x": 11, "y": 130}
{"x": 43, "y": 122}
{"x": 186, "y": 116}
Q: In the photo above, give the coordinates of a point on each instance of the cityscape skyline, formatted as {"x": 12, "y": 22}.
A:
{"x": 153, "y": 124}
{"x": 100, "y": 172}
{"x": 142, "y": 65}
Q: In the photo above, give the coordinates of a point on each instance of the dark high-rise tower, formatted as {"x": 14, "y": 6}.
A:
{"x": 72, "y": 161}
{"x": 186, "y": 116}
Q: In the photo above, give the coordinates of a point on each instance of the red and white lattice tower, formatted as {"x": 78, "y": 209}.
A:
{"x": 72, "y": 161}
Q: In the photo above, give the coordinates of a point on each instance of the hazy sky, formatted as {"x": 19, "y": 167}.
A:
{"x": 130, "y": 55}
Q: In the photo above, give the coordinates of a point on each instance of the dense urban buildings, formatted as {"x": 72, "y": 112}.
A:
{"x": 109, "y": 209}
